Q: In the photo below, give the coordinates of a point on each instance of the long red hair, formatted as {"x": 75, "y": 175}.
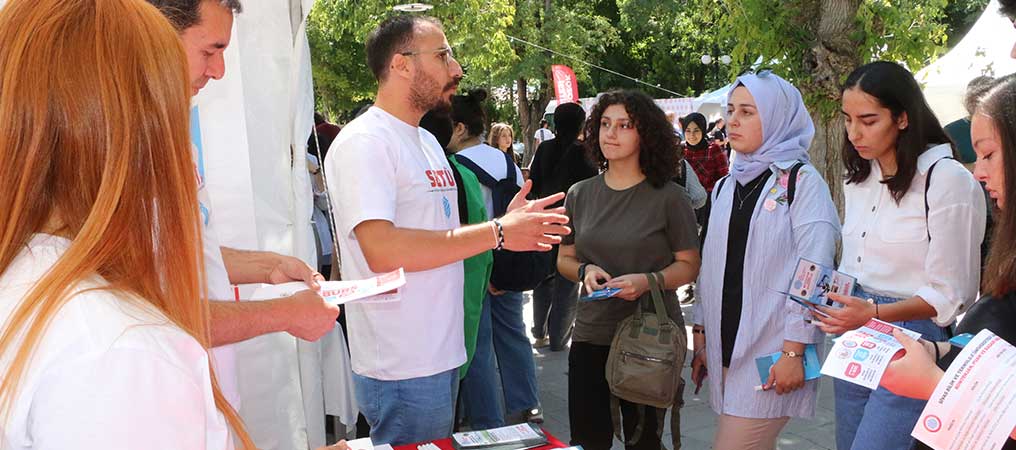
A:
{"x": 94, "y": 104}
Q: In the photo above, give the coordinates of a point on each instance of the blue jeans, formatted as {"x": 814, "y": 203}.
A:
{"x": 554, "y": 304}
{"x": 406, "y": 411}
{"x": 514, "y": 353}
{"x": 501, "y": 343}
{"x": 879, "y": 419}
{"x": 481, "y": 398}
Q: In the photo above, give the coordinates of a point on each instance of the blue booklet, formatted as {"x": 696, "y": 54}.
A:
{"x": 812, "y": 365}
{"x": 600, "y": 294}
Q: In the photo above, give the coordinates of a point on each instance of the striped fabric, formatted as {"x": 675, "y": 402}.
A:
{"x": 779, "y": 235}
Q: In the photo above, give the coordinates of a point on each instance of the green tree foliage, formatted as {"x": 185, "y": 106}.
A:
{"x": 816, "y": 43}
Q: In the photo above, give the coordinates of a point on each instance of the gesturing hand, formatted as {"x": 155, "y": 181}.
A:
{"x": 530, "y": 226}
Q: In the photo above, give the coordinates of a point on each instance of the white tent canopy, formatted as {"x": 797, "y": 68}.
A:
{"x": 712, "y": 104}
{"x": 983, "y": 51}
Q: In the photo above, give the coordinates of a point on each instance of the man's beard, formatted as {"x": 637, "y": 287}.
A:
{"x": 426, "y": 95}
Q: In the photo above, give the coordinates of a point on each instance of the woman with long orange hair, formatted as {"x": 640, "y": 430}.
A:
{"x": 105, "y": 323}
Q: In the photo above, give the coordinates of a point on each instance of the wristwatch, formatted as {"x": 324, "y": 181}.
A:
{"x": 792, "y": 354}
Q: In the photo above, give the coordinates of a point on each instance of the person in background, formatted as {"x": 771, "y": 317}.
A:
{"x": 322, "y": 137}
{"x": 629, "y": 221}
{"x": 105, "y": 335}
{"x": 959, "y": 130}
{"x": 503, "y": 138}
{"x": 912, "y": 231}
{"x": 472, "y": 210}
{"x": 709, "y": 162}
{"x": 503, "y": 352}
{"x": 763, "y": 221}
{"x": 558, "y": 164}
{"x": 676, "y": 123}
{"x": 543, "y": 134}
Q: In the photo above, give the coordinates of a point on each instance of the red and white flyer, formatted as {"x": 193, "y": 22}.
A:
{"x": 337, "y": 292}
{"x": 861, "y": 356}
{"x": 974, "y": 406}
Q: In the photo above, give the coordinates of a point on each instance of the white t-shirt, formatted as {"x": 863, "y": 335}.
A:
{"x": 224, "y": 357}
{"x": 389, "y": 170}
{"x": 886, "y": 245}
{"x": 491, "y": 160}
{"x": 109, "y": 373}
{"x": 544, "y": 134}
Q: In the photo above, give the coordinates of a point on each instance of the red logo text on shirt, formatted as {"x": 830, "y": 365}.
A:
{"x": 441, "y": 178}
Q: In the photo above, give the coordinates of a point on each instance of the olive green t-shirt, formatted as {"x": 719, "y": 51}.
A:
{"x": 633, "y": 231}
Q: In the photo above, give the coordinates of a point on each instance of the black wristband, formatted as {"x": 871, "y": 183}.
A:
{"x": 582, "y": 272}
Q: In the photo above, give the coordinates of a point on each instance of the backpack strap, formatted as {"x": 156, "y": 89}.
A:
{"x": 461, "y": 194}
{"x": 510, "y": 169}
{"x": 792, "y": 182}
{"x": 719, "y": 186}
{"x": 481, "y": 174}
{"x": 927, "y": 185}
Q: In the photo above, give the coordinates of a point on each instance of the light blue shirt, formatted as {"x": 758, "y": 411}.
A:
{"x": 779, "y": 235}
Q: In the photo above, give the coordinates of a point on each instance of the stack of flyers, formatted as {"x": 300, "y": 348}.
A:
{"x": 861, "y": 356}
{"x": 813, "y": 281}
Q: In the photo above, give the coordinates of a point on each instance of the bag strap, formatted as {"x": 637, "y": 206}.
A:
{"x": 461, "y": 194}
{"x": 485, "y": 178}
{"x": 927, "y": 185}
{"x": 792, "y": 182}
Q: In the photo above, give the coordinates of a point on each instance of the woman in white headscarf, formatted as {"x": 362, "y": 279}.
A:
{"x": 772, "y": 209}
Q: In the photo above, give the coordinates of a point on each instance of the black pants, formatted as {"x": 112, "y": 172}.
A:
{"x": 589, "y": 403}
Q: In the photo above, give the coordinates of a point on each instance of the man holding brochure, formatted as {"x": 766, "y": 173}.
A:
{"x": 395, "y": 204}
{"x": 204, "y": 28}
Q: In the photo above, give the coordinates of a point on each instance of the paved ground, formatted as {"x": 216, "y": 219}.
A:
{"x": 698, "y": 423}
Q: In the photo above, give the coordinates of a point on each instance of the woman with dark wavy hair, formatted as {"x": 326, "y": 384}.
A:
{"x": 628, "y": 221}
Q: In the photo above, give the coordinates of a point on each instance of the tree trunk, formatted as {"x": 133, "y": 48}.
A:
{"x": 833, "y": 56}
{"x": 530, "y": 114}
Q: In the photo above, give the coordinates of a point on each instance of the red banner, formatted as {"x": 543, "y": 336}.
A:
{"x": 566, "y": 87}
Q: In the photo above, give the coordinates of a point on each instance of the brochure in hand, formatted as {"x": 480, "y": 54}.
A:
{"x": 523, "y": 435}
{"x": 813, "y": 281}
{"x": 369, "y": 290}
{"x": 600, "y": 294}
{"x": 861, "y": 356}
{"x": 812, "y": 365}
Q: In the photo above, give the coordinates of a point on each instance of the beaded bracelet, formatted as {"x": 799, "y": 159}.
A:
{"x": 500, "y": 235}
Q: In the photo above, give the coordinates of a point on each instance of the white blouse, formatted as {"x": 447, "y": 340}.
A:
{"x": 886, "y": 245}
{"x": 108, "y": 374}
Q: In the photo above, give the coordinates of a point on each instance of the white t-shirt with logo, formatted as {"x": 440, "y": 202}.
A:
{"x": 111, "y": 372}
{"x": 491, "y": 160}
{"x": 382, "y": 168}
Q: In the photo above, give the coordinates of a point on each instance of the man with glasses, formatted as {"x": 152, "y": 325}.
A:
{"x": 396, "y": 207}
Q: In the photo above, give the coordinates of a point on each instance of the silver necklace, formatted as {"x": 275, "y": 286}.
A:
{"x": 740, "y": 200}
